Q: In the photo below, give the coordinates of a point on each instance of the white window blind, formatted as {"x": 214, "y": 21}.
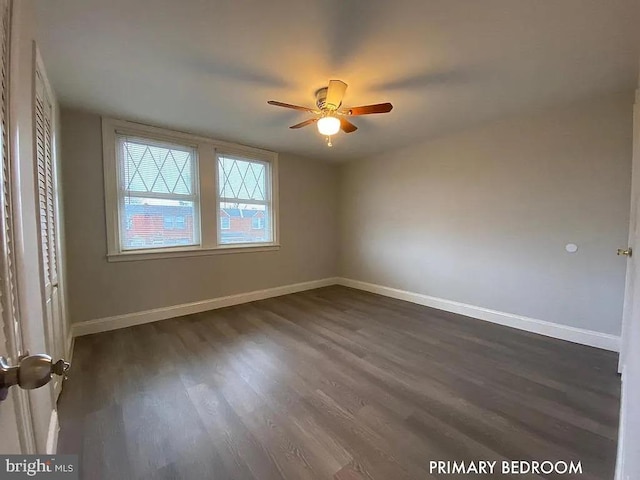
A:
{"x": 244, "y": 200}
{"x": 157, "y": 184}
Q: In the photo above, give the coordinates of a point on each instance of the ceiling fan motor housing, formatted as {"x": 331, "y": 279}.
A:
{"x": 321, "y": 99}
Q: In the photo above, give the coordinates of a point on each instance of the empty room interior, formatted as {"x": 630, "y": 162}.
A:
{"x": 320, "y": 239}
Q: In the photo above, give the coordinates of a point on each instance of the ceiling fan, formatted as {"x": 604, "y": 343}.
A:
{"x": 330, "y": 117}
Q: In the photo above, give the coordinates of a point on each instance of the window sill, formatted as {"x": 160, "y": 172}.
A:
{"x": 154, "y": 254}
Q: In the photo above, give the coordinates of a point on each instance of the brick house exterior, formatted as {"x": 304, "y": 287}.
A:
{"x": 149, "y": 226}
{"x": 244, "y": 225}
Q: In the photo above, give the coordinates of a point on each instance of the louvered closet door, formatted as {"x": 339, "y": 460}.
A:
{"x": 46, "y": 179}
{"x": 15, "y": 420}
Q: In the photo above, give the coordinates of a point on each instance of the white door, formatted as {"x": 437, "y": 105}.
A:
{"x": 10, "y": 438}
{"x": 48, "y": 215}
{"x": 633, "y": 264}
{"x": 628, "y": 465}
{"x": 15, "y": 415}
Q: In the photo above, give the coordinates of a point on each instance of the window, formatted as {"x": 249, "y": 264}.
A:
{"x": 243, "y": 194}
{"x": 174, "y": 194}
{"x": 257, "y": 223}
{"x": 156, "y": 182}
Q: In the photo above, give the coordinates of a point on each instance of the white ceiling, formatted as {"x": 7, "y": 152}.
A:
{"x": 210, "y": 66}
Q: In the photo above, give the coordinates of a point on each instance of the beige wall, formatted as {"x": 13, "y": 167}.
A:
{"x": 98, "y": 289}
{"x": 482, "y": 217}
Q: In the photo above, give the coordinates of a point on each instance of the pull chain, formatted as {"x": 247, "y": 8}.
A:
{"x": 329, "y": 144}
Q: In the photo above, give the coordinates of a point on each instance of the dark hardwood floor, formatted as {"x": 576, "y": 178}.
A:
{"x": 333, "y": 383}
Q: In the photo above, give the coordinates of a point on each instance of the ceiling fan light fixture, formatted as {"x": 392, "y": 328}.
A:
{"x": 329, "y": 116}
{"x": 328, "y": 125}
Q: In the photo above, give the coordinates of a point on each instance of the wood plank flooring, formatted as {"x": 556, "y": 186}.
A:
{"x": 333, "y": 383}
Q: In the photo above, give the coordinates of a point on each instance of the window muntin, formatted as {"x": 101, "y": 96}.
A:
{"x": 244, "y": 195}
{"x": 157, "y": 183}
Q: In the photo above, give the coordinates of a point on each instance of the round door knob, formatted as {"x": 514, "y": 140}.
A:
{"x": 34, "y": 371}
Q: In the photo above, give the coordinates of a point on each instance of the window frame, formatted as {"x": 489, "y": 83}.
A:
{"x": 194, "y": 197}
{"x": 268, "y": 193}
{"x": 206, "y": 185}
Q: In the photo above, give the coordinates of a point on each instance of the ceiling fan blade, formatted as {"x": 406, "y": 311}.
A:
{"x": 369, "y": 109}
{"x": 335, "y": 92}
{"x": 347, "y": 126}
{"x": 305, "y": 123}
{"x": 288, "y": 105}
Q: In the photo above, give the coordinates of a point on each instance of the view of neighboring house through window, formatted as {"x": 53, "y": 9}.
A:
{"x": 244, "y": 200}
{"x": 157, "y": 185}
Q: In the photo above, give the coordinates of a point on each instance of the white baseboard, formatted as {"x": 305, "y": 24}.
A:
{"x": 147, "y": 316}
{"x": 71, "y": 340}
{"x": 52, "y": 434}
{"x": 549, "y": 329}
